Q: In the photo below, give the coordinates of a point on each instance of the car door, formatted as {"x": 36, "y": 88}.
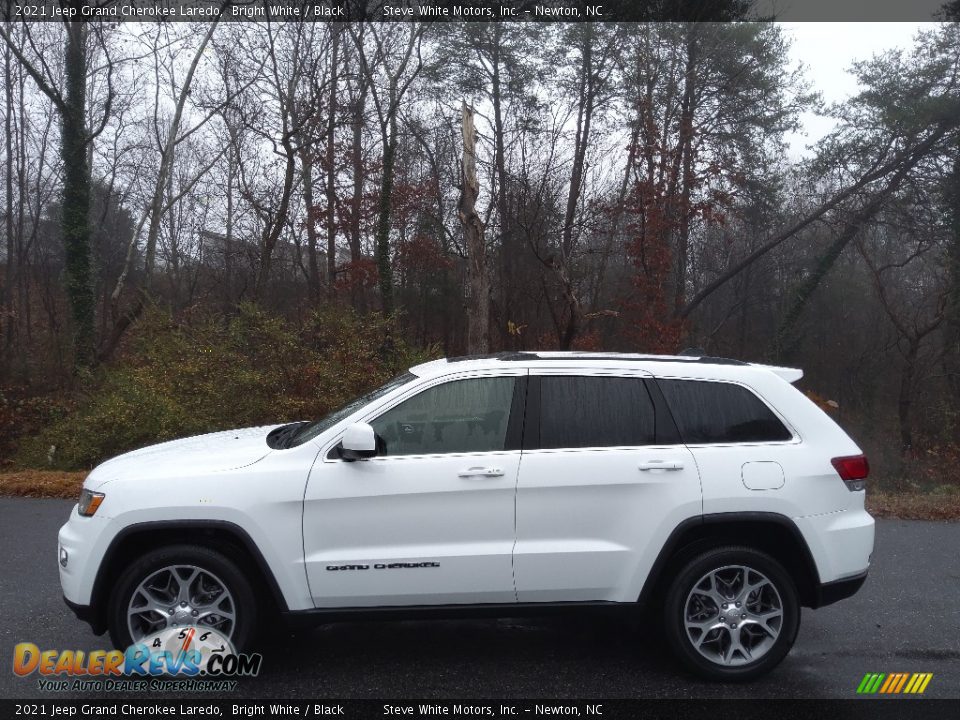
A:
{"x": 603, "y": 482}
{"x": 430, "y": 519}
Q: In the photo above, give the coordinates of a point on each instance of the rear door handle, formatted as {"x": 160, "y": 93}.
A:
{"x": 661, "y": 465}
{"x": 481, "y": 472}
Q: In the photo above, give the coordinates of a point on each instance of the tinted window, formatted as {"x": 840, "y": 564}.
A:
{"x": 714, "y": 412}
{"x": 595, "y": 412}
{"x": 455, "y": 417}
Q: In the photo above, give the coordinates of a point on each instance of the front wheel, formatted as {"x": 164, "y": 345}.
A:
{"x": 732, "y": 614}
{"x": 182, "y": 586}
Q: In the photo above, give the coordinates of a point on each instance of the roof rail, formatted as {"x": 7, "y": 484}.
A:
{"x": 504, "y": 355}
{"x": 528, "y": 355}
{"x": 712, "y": 360}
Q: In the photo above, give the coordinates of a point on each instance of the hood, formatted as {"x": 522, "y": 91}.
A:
{"x": 213, "y": 452}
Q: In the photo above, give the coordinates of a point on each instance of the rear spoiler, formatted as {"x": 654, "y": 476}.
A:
{"x": 791, "y": 375}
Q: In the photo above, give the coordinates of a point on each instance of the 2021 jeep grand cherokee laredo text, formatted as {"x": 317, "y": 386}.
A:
{"x": 503, "y": 484}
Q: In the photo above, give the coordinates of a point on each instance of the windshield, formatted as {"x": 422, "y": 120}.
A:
{"x": 310, "y": 430}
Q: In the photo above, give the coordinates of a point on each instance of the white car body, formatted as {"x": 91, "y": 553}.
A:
{"x": 511, "y": 527}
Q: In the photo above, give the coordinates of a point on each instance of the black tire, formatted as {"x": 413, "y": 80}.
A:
{"x": 221, "y": 566}
{"x": 675, "y": 607}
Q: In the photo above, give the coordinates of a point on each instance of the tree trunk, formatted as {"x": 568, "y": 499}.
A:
{"x": 478, "y": 302}
{"x": 905, "y": 399}
{"x": 6, "y": 318}
{"x": 228, "y": 238}
{"x": 273, "y": 231}
{"x": 176, "y": 275}
{"x": 581, "y": 140}
{"x": 682, "y": 209}
{"x": 332, "y": 165}
{"x": 356, "y": 201}
{"x": 509, "y": 253}
{"x": 382, "y": 247}
{"x": 76, "y": 196}
{"x": 313, "y": 267}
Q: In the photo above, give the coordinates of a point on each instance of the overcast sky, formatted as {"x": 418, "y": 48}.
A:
{"x": 828, "y": 50}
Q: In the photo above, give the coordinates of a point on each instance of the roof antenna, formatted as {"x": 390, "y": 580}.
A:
{"x": 693, "y": 352}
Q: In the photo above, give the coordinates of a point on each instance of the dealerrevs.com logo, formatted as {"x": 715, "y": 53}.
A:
{"x": 176, "y": 659}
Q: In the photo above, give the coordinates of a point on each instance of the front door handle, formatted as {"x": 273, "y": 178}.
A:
{"x": 481, "y": 472}
{"x": 661, "y": 465}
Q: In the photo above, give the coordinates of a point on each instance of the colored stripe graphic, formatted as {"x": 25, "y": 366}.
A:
{"x": 870, "y": 683}
{"x": 903, "y": 680}
{"x": 894, "y": 683}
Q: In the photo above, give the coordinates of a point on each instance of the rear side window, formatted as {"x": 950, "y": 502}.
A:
{"x": 716, "y": 412}
{"x": 595, "y": 412}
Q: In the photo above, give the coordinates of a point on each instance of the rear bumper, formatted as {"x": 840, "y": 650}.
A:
{"x": 831, "y": 592}
{"x": 840, "y": 543}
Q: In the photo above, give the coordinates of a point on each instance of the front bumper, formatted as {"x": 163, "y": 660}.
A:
{"x": 84, "y": 542}
{"x": 87, "y": 615}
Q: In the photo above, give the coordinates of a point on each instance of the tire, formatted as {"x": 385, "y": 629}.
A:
{"x": 158, "y": 567}
{"x": 765, "y": 614}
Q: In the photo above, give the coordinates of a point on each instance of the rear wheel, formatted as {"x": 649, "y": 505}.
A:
{"x": 732, "y": 614}
{"x": 182, "y": 586}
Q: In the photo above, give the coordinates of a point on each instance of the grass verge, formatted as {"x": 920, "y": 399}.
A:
{"x": 938, "y": 504}
{"x": 941, "y": 503}
{"x": 42, "y": 484}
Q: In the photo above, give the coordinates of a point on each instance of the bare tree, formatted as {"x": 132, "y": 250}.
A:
{"x": 167, "y": 139}
{"x": 75, "y": 138}
{"x": 478, "y": 297}
{"x": 390, "y": 57}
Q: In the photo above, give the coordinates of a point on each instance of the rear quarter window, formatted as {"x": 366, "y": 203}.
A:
{"x": 719, "y": 412}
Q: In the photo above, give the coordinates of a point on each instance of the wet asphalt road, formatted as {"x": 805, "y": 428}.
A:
{"x": 906, "y": 618}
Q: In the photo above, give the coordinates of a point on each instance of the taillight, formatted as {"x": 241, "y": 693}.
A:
{"x": 853, "y": 470}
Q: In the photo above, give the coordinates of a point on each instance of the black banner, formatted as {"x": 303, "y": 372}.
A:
{"x": 471, "y": 10}
{"x": 873, "y": 709}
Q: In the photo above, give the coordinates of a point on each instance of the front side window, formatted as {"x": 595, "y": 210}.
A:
{"x": 585, "y": 411}
{"x": 461, "y": 416}
{"x": 718, "y": 412}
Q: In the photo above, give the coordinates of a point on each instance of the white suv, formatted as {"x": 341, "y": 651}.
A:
{"x": 504, "y": 484}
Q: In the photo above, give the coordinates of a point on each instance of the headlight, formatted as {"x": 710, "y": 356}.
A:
{"x": 89, "y": 502}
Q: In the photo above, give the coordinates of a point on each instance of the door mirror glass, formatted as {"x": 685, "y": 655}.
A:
{"x": 359, "y": 441}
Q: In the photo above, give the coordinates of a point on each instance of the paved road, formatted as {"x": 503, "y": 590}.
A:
{"x": 906, "y": 618}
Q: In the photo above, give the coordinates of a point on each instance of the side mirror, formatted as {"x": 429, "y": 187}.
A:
{"x": 359, "y": 441}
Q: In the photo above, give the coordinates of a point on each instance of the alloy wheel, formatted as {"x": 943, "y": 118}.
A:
{"x": 180, "y": 596}
{"x": 733, "y": 615}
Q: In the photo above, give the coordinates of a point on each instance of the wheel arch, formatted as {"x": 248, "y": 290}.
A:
{"x": 224, "y": 536}
{"x": 772, "y": 533}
